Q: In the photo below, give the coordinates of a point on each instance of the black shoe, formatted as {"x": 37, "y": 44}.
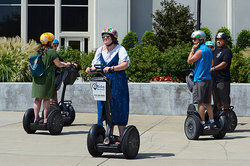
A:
{"x": 213, "y": 126}
{"x": 206, "y": 127}
{"x": 210, "y": 126}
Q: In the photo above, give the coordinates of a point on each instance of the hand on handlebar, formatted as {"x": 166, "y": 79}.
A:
{"x": 107, "y": 69}
{"x": 89, "y": 68}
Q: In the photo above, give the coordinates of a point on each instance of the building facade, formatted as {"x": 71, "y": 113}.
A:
{"x": 78, "y": 23}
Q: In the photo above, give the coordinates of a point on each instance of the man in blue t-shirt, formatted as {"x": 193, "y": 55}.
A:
{"x": 220, "y": 70}
{"x": 201, "y": 56}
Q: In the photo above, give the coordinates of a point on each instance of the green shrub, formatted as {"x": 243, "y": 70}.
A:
{"x": 207, "y": 32}
{"x": 173, "y": 24}
{"x": 240, "y": 67}
{"x": 130, "y": 40}
{"x": 144, "y": 63}
{"x": 81, "y": 58}
{"x": 148, "y": 38}
{"x": 86, "y": 60}
{"x": 226, "y": 31}
{"x": 175, "y": 61}
{"x": 14, "y": 59}
{"x": 243, "y": 39}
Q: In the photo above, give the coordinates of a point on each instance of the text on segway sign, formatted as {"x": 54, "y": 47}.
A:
{"x": 99, "y": 90}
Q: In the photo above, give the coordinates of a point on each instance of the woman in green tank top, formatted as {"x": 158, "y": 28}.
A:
{"x": 43, "y": 87}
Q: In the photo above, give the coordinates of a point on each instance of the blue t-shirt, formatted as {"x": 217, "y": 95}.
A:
{"x": 203, "y": 65}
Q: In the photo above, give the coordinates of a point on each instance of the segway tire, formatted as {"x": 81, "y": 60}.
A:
{"x": 28, "y": 118}
{"x": 130, "y": 142}
{"x": 71, "y": 115}
{"x": 192, "y": 127}
{"x": 223, "y": 125}
{"x": 55, "y": 121}
{"x": 231, "y": 120}
{"x": 96, "y": 135}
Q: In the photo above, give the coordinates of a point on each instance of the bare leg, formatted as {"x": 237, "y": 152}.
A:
{"x": 121, "y": 130}
{"x": 37, "y": 106}
{"x": 210, "y": 111}
{"x": 46, "y": 104}
{"x": 201, "y": 111}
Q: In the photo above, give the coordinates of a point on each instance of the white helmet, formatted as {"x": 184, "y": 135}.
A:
{"x": 199, "y": 35}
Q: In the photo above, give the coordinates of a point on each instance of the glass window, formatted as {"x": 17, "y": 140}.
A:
{"x": 74, "y": 2}
{"x": 10, "y": 1}
{"x": 74, "y": 19}
{"x": 40, "y": 20}
{"x": 86, "y": 45}
{"x": 10, "y": 21}
{"x": 75, "y": 45}
{"x": 41, "y": 1}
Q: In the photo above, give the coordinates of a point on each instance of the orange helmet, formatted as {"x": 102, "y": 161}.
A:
{"x": 46, "y": 37}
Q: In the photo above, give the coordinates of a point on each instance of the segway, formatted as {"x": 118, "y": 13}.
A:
{"x": 58, "y": 114}
{"x": 232, "y": 119}
{"x": 54, "y": 124}
{"x": 69, "y": 76}
{"x": 229, "y": 110}
{"x": 67, "y": 110}
{"x": 100, "y": 140}
{"x": 193, "y": 127}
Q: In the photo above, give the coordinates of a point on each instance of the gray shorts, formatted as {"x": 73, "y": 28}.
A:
{"x": 202, "y": 92}
{"x": 221, "y": 92}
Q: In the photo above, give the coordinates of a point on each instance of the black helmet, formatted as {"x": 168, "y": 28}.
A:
{"x": 222, "y": 35}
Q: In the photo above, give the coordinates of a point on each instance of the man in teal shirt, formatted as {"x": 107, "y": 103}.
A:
{"x": 202, "y": 56}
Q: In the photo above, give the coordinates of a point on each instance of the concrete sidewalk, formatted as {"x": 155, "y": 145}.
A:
{"x": 163, "y": 142}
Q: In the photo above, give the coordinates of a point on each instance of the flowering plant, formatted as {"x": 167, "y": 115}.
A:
{"x": 165, "y": 79}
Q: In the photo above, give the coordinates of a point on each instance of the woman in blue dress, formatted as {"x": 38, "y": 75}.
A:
{"x": 114, "y": 56}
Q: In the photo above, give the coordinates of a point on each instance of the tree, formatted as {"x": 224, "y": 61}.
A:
{"x": 173, "y": 24}
{"x": 130, "y": 40}
{"x": 243, "y": 39}
{"x": 207, "y": 32}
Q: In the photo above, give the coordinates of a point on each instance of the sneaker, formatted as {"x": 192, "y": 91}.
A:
{"x": 213, "y": 126}
{"x": 210, "y": 126}
{"x": 206, "y": 127}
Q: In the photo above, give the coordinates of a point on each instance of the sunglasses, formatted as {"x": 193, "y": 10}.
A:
{"x": 193, "y": 39}
{"x": 55, "y": 45}
{"x": 106, "y": 36}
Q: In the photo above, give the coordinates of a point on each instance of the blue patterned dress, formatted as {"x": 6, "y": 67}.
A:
{"x": 119, "y": 104}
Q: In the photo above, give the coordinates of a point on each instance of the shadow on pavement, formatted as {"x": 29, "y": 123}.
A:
{"x": 140, "y": 155}
{"x": 79, "y": 125}
{"x": 153, "y": 155}
{"x": 240, "y": 131}
{"x": 63, "y": 133}
{"x": 225, "y": 138}
{"x": 74, "y": 132}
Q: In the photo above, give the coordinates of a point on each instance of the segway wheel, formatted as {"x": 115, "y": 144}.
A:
{"x": 28, "y": 118}
{"x": 192, "y": 127}
{"x": 96, "y": 135}
{"x": 71, "y": 115}
{"x": 55, "y": 121}
{"x": 223, "y": 125}
{"x": 130, "y": 142}
{"x": 231, "y": 120}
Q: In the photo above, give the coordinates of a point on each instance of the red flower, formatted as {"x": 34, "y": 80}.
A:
{"x": 169, "y": 78}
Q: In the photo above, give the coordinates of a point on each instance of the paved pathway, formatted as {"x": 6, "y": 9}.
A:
{"x": 163, "y": 142}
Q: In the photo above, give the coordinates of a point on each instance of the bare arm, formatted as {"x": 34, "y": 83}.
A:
{"x": 61, "y": 64}
{"x": 194, "y": 57}
{"x": 220, "y": 66}
{"x": 122, "y": 66}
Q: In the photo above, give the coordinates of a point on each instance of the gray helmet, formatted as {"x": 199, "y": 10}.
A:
{"x": 222, "y": 35}
{"x": 199, "y": 35}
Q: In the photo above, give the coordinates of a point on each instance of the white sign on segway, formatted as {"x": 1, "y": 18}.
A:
{"x": 99, "y": 90}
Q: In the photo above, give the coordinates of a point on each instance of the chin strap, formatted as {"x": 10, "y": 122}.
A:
{"x": 110, "y": 44}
